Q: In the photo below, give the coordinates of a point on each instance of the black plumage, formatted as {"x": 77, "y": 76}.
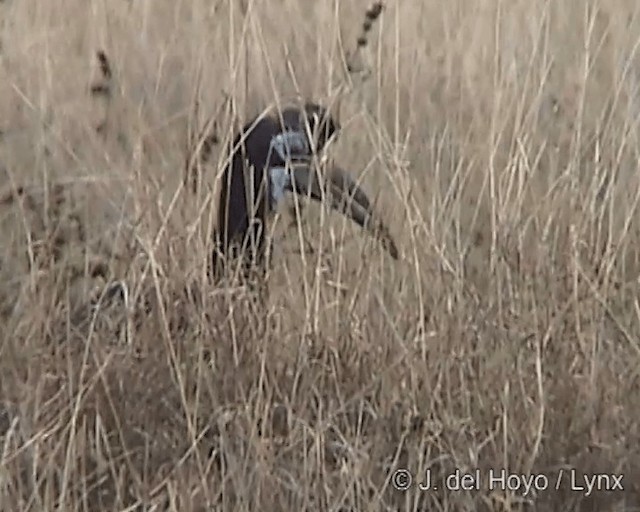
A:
{"x": 274, "y": 154}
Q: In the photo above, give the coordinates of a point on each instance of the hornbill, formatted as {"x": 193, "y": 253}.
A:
{"x": 274, "y": 154}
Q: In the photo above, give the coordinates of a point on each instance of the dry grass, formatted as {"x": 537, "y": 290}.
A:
{"x": 503, "y": 140}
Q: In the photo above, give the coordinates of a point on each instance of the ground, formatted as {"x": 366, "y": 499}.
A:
{"x": 500, "y": 140}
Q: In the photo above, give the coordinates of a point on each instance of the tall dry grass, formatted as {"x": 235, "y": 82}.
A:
{"x": 501, "y": 139}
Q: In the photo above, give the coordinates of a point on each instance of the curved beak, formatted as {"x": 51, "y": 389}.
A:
{"x": 335, "y": 187}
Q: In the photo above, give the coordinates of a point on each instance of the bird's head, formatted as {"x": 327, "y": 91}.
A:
{"x": 314, "y": 121}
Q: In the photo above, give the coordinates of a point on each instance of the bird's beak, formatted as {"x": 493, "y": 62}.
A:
{"x": 335, "y": 187}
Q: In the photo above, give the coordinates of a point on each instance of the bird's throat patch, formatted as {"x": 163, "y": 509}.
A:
{"x": 279, "y": 181}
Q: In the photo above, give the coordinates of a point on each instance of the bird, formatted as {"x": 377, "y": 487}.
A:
{"x": 274, "y": 154}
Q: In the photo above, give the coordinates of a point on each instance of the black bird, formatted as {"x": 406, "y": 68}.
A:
{"x": 275, "y": 154}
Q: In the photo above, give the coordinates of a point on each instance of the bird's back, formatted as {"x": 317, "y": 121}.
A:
{"x": 242, "y": 206}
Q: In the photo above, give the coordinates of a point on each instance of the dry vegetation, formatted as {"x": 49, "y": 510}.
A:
{"x": 503, "y": 140}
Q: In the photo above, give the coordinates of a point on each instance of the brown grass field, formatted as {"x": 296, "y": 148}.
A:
{"x": 501, "y": 140}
